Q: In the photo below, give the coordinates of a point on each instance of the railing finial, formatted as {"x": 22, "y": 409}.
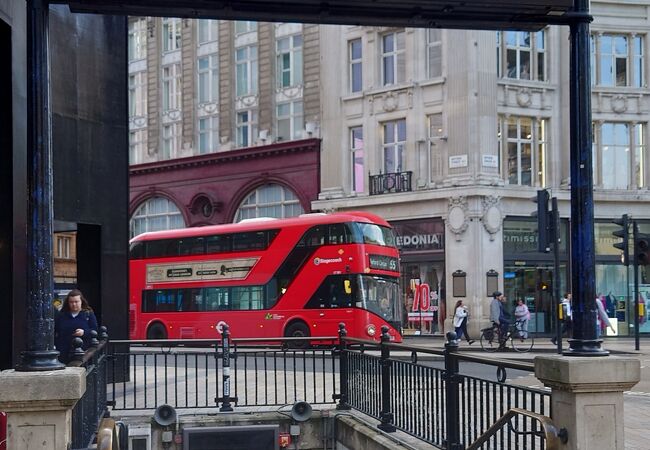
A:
{"x": 77, "y": 351}
{"x": 94, "y": 342}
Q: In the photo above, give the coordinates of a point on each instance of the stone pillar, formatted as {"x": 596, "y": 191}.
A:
{"x": 39, "y": 407}
{"x": 587, "y": 397}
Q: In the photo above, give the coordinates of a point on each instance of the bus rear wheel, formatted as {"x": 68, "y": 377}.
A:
{"x": 157, "y": 331}
{"x": 297, "y": 330}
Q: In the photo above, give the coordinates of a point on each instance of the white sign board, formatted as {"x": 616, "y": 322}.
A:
{"x": 457, "y": 161}
{"x": 490, "y": 161}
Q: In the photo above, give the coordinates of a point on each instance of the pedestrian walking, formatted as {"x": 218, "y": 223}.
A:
{"x": 460, "y": 322}
{"x": 602, "y": 320}
{"x": 522, "y": 316}
{"x": 498, "y": 315}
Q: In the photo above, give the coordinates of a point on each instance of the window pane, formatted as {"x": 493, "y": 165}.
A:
{"x": 355, "y": 49}
{"x": 389, "y": 73}
{"x": 621, "y": 72}
{"x": 401, "y": 130}
{"x": 511, "y": 63}
{"x": 388, "y": 42}
{"x": 513, "y": 163}
{"x": 639, "y": 156}
{"x": 356, "y": 77}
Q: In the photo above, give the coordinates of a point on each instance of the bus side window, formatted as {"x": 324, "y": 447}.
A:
{"x": 337, "y": 234}
{"x": 270, "y": 293}
{"x": 315, "y": 237}
{"x": 155, "y": 249}
{"x": 159, "y": 301}
{"x": 191, "y": 246}
{"x": 249, "y": 241}
{"x": 137, "y": 250}
{"x": 320, "y": 299}
{"x": 219, "y": 243}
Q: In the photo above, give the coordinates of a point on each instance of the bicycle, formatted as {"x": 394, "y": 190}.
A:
{"x": 520, "y": 340}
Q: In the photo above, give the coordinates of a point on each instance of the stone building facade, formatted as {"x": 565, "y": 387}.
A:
{"x": 448, "y": 134}
{"x": 233, "y": 106}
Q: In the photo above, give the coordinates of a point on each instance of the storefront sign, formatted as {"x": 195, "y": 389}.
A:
{"x": 421, "y": 300}
{"x": 520, "y": 236}
{"x": 419, "y": 236}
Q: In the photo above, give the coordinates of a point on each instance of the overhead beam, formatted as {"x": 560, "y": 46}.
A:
{"x": 468, "y": 14}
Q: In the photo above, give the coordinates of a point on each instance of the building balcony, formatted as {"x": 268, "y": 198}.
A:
{"x": 388, "y": 183}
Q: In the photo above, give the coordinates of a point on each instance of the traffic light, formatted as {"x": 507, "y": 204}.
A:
{"x": 624, "y": 233}
{"x": 642, "y": 249}
{"x": 543, "y": 221}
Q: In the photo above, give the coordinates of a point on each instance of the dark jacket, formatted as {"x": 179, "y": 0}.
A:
{"x": 64, "y": 327}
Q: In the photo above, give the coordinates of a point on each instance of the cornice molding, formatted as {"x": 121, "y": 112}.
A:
{"x": 302, "y": 146}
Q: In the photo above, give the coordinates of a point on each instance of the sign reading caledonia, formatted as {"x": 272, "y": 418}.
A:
{"x": 420, "y": 236}
{"x": 226, "y": 269}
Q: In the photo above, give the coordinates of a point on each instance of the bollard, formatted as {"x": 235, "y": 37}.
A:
{"x": 385, "y": 415}
{"x": 343, "y": 373}
{"x": 225, "y": 359}
{"x": 452, "y": 380}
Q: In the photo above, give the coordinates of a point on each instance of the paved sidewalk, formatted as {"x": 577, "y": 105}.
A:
{"x": 637, "y": 400}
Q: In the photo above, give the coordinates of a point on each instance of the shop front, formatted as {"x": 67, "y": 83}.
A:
{"x": 615, "y": 282}
{"x": 528, "y": 274}
{"x": 422, "y": 252}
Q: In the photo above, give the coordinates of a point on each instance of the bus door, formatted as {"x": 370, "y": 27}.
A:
{"x": 333, "y": 303}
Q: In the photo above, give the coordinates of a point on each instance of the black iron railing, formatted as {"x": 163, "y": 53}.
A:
{"x": 436, "y": 401}
{"x": 442, "y": 406}
{"x": 190, "y": 377}
{"x": 386, "y": 183}
{"x": 92, "y": 406}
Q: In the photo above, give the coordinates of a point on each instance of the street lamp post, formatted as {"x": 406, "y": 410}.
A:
{"x": 40, "y": 354}
{"x": 583, "y": 262}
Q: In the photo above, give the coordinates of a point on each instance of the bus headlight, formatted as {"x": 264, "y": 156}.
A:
{"x": 371, "y": 330}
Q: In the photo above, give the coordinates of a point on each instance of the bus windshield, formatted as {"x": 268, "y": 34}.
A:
{"x": 376, "y": 234}
{"x": 379, "y": 295}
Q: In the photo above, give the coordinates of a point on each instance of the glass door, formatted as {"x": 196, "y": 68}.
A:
{"x": 417, "y": 319}
{"x": 534, "y": 285}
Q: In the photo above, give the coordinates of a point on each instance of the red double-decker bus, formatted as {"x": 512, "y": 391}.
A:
{"x": 297, "y": 277}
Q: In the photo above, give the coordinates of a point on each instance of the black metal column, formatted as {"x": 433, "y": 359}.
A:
{"x": 40, "y": 353}
{"x": 452, "y": 384}
{"x": 583, "y": 261}
{"x": 385, "y": 415}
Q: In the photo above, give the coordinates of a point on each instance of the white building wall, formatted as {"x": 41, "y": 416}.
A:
{"x": 471, "y": 196}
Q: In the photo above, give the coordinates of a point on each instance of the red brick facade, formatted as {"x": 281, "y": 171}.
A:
{"x": 224, "y": 179}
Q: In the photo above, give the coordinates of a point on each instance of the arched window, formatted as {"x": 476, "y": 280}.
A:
{"x": 270, "y": 200}
{"x": 156, "y": 214}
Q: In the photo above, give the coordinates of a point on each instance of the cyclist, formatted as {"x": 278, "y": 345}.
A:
{"x": 499, "y": 317}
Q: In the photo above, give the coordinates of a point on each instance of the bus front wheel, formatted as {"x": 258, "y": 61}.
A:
{"x": 298, "y": 330}
{"x": 157, "y": 331}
